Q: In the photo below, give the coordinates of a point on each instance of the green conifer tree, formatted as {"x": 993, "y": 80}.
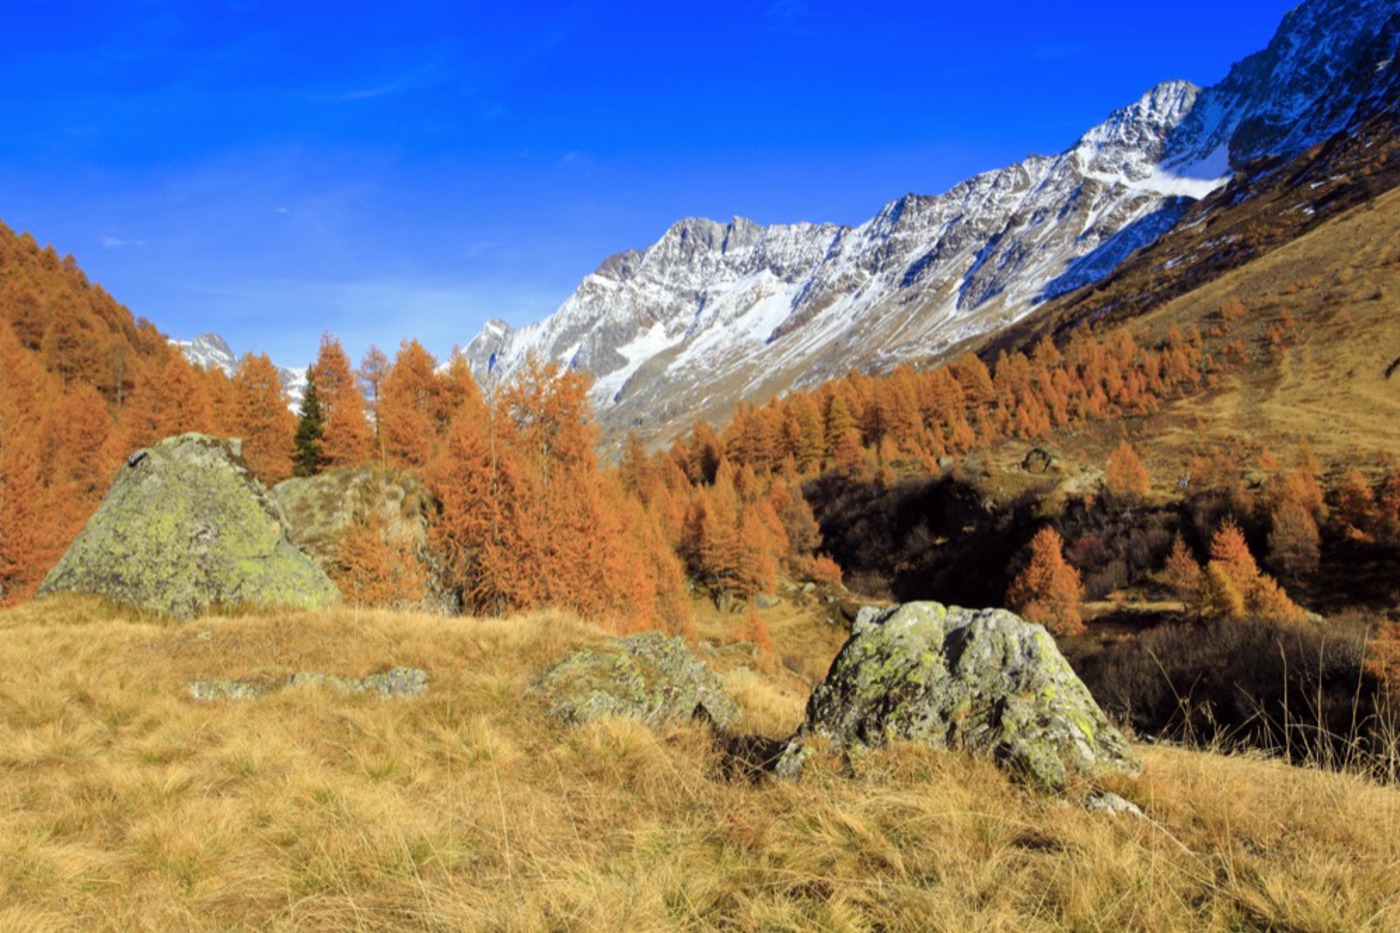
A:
{"x": 311, "y": 429}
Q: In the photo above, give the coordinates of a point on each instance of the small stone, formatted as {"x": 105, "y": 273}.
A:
{"x": 1112, "y": 804}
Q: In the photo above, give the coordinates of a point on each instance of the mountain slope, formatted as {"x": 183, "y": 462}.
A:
{"x": 714, "y": 313}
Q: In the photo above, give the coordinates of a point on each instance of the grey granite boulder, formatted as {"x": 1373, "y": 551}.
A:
{"x": 320, "y": 510}
{"x": 400, "y": 681}
{"x": 186, "y": 528}
{"x": 981, "y": 680}
{"x": 651, "y": 677}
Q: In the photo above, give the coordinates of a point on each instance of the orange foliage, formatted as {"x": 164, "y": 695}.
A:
{"x": 825, "y": 570}
{"x": 526, "y": 518}
{"x": 376, "y": 568}
{"x": 165, "y": 401}
{"x": 259, "y": 415}
{"x": 1231, "y": 309}
{"x": 1182, "y": 573}
{"x": 346, "y": 438}
{"x": 1048, "y": 590}
{"x": 1126, "y": 476}
{"x": 374, "y": 366}
{"x": 1230, "y": 560}
{"x": 755, "y": 632}
{"x": 409, "y": 406}
{"x": 1357, "y": 511}
{"x": 1293, "y": 539}
{"x": 1229, "y": 549}
{"x": 1383, "y": 657}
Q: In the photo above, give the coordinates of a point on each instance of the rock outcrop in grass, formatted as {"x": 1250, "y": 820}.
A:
{"x": 981, "y": 680}
{"x": 186, "y": 529}
{"x": 650, "y": 677}
{"x": 397, "y": 682}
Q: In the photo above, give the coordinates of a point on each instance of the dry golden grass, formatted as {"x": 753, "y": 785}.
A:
{"x": 1341, "y": 284}
{"x": 129, "y": 806}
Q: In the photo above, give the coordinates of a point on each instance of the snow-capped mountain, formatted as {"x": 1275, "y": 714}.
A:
{"x": 213, "y": 352}
{"x": 208, "y": 350}
{"x": 714, "y": 313}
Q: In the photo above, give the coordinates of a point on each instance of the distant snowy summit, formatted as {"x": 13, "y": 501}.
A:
{"x": 213, "y": 352}
{"x": 715, "y": 313}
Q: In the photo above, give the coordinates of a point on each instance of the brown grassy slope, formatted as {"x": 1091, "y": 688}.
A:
{"x": 1336, "y": 387}
{"x": 129, "y": 806}
{"x": 1333, "y": 386}
{"x": 1268, "y": 206}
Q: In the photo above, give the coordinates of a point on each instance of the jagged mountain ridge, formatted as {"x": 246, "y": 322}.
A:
{"x": 213, "y": 352}
{"x": 714, "y": 313}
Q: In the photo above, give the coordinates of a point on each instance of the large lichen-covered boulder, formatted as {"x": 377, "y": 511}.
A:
{"x": 651, "y": 677}
{"x": 186, "y": 528}
{"x": 321, "y": 509}
{"x": 982, "y": 680}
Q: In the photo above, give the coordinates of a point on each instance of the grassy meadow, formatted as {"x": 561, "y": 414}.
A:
{"x": 127, "y": 805}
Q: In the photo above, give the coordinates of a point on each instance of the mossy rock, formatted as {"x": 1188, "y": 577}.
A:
{"x": 396, "y": 682}
{"x": 320, "y": 510}
{"x": 186, "y": 529}
{"x": 651, "y": 677}
{"x": 981, "y": 680}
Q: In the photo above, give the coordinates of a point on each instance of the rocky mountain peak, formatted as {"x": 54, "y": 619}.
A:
{"x": 1302, "y": 87}
{"x": 1144, "y": 125}
{"x": 208, "y": 350}
{"x": 713, "y": 313}
{"x": 212, "y": 351}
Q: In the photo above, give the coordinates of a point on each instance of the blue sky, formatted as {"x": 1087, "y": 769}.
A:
{"x": 269, "y": 170}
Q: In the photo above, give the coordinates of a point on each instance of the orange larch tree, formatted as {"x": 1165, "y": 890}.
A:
{"x": 1049, "y": 590}
{"x": 259, "y": 415}
{"x": 409, "y": 406}
{"x": 1182, "y": 573}
{"x": 374, "y": 567}
{"x": 165, "y": 401}
{"x": 374, "y": 366}
{"x": 1126, "y": 476}
{"x": 1231, "y": 559}
{"x": 346, "y": 432}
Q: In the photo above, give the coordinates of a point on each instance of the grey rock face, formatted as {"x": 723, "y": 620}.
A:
{"x": 400, "y": 681}
{"x": 651, "y": 677}
{"x": 186, "y": 528}
{"x": 981, "y": 680}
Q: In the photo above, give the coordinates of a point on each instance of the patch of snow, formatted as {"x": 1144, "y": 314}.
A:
{"x": 652, "y": 341}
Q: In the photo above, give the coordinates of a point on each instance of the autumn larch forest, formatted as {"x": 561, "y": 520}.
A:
{"x": 522, "y": 514}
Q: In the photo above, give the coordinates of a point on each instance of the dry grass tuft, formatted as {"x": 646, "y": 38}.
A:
{"x": 129, "y": 806}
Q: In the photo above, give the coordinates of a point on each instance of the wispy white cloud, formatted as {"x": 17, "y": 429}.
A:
{"x": 426, "y": 75}
{"x": 575, "y": 159}
{"x": 112, "y": 242}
